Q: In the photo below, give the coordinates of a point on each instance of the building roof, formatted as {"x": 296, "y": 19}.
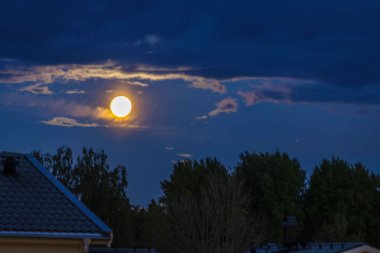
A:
{"x": 310, "y": 248}
{"x": 33, "y": 203}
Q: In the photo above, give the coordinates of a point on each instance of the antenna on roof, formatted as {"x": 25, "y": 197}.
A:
{"x": 9, "y": 166}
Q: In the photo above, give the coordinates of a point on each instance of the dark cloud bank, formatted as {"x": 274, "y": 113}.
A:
{"x": 335, "y": 43}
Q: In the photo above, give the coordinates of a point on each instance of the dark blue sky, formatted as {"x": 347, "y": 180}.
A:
{"x": 206, "y": 78}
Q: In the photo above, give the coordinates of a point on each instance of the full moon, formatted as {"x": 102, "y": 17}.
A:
{"x": 121, "y": 106}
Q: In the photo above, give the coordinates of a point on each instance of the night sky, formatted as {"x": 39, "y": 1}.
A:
{"x": 206, "y": 78}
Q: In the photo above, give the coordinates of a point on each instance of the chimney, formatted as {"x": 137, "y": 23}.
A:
{"x": 9, "y": 166}
{"x": 290, "y": 231}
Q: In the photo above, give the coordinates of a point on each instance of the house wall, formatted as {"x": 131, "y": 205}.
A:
{"x": 20, "y": 245}
{"x": 363, "y": 249}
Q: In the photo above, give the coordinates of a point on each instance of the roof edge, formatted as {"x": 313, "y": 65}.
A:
{"x": 62, "y": 235}
{"x": 70, "y": 196}
{"x": 354, "y": 248}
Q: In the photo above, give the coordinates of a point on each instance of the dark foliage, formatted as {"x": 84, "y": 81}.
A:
{"x": 206, "y": 208}
{"x": 276, "y": 184}
{"x": 342, "y": 203}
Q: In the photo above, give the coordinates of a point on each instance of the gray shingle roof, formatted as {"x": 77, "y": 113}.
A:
{"x": 34, "y": 203}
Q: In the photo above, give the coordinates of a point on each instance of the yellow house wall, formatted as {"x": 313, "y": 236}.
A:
{"x": 363, "y": 249}
{"x": 19, "y": 245}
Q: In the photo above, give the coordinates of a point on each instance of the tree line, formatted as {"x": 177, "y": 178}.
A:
{"x": 206, "y": 207}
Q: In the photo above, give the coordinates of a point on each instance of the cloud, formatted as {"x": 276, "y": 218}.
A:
{"x": 285, "y": 90}
{"x": 252, "y": 89}
{"x": 102, "y": 115}
{"x": 135, "y": 83}
{"x": 338, "y": 45}
{"x": 145, "y": 68}
{"x": 271, "y": 89}
{"x": 37, "y": 89}
{"x": 252, "y": 98}
{"x": 184, "y": 155}
{"x": 227, "y": 105}
{"x": 126, "y": 124}
{"x": 152, "y": 39}
{"x": 63, "y": 73}
{"x": 72, "y": 92}
{"x": 51, "y": 106}
{"x": 68, "y": 122}
{"x": 208, "y": 84}
{"x": 201, "y": 117}
{"x": 169, "y": 148}
{"x": 79, "y": 110}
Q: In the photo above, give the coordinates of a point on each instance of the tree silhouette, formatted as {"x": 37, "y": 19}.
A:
{"x": 206, "y": 210}
{"x": 342, "y": 203}
{"x": 275, "y": 184}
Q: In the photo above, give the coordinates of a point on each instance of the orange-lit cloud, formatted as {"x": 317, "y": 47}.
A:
{"x": 227, "y": 105}
{"x": 252, "y": 98}
{"x": 67, "y": 122}
{"x": 51, "y": 107}
{"x": 101, "y": 115}
{"x": 38, "y": 89}
{"x": 64, "y": 73}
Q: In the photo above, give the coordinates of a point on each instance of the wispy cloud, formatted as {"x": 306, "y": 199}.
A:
{"x": 136, "y": 83}
{"x": 271, "y": 89}
{"x": 74, "y": 92}
{"x": 152, "y": 39}
{"x": 67, "y": 122}
{"x": 37, "y": 89}
{"x": 169, "y": 148}
{"x": 251, "y": 98}
{"x": 129, "y": 124}
{"x": 227, "y": 105}
{"x": 80, "y": 110}
{"x": 63, "y": 73}
{"x": 201, "y": 117}
{"x": 145, "y": 68}
{"x": 184, "y": 155}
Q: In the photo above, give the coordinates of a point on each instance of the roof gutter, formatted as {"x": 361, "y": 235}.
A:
{"x": 62, "y": 235}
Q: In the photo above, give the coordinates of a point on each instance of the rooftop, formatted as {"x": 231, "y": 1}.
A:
{"x": 309, "y": 247}
{"x": 34, "y": 203}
